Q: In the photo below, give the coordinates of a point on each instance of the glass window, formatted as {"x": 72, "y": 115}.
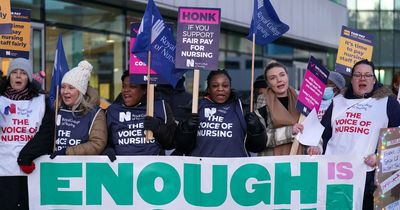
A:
{"x": 368, "y": 20}
{"x": 351, "y": 4}
{"x": 85, "y": 15}
{"x": 233, "y": 42}
{"x": 397, "y": 20}
{"x": 387, "y": 4}
{"x": 368, "y": 4}
{"x": 397, "y": 4}
{"x": 386, "y": 45}
{"x": 352, "y": 19}
{"x": 33, "y": 5}
{"x": 387, "y": 20}
{"x": 222, "y": 41}
{"x": 104, "y": 52}
{"x": 397, "y": 52}
{"x": 377, "y": 47}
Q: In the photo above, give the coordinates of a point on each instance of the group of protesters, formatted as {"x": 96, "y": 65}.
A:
{"x": 220, "y": 128}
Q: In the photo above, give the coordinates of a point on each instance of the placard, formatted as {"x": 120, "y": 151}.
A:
{"x": 354, "y": 46}
{"x": 197, "y": 42}
{"x": 312, "y": 88}
{"x": 17, "y": 44}
{"x": 387, "y": 195}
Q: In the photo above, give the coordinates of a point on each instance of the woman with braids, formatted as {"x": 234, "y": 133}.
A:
{"x": 219, "y": 129}
{"x": 26, "y": 132}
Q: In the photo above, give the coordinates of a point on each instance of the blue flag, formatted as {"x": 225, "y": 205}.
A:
{"x": 156, "y": 37}
{"x": 265, "y": 23}
{"x": 59, "y": 69}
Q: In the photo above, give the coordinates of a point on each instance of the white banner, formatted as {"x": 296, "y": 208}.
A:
{"x": 168, "y": 182}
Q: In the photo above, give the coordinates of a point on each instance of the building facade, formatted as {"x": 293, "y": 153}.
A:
{"x": 380, "y": 18}
{"x": 98, "y": 31}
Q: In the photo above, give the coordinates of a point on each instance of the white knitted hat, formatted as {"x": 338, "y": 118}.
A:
{"x": 79, "y": 76}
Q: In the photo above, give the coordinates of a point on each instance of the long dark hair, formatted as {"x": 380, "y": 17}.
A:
{"x": 33, "y": 91}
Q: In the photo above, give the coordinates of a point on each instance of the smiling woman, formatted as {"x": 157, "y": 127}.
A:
{"x": 81, "y": 124}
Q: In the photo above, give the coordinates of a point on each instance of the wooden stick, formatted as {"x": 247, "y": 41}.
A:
{"x": 295, "y": 144}
{"x": 195, "y": 98}
{"x": 55, "y": 117}
{"x": 252, "y": 73}
{"x": 150, "y": 97}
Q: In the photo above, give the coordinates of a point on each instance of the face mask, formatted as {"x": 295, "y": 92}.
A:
{"x": 328, "y": 93}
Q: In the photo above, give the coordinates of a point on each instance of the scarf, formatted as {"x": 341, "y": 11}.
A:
{"x": 280, "y": 116}
{"x": 17, "y": 94}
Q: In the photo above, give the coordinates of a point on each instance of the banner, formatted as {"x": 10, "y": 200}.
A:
{"x": 353, "y": 46}
{"x": 5, "y": 17}
{"x": 312, "y": 88}
{"x": 169, "y": 182}
{"x": 198, "y": 38}
{"x": 138, "y": 68}
{"x": 17, "y": 44}
{"x": 387, "y": 195}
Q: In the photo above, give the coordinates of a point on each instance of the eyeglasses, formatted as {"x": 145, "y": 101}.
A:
{"x": 366, "y": 76}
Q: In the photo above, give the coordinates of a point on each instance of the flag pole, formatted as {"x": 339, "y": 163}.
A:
{"x": 55, "y": 117}
{"x": 195, "y": 98}
{"x": 252, "y": 73}
{"x": 150, "y": 97}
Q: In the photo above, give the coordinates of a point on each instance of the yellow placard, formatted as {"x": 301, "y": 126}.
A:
{"x": 17, "y": 44}
{"x": 5, "y": 17}
{"x": 351, "y": 51}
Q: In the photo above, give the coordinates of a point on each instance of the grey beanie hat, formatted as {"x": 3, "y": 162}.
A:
{"x": 338, "y": 79}
{"x": 23, "y": 64}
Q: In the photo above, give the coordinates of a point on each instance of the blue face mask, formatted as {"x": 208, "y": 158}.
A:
{"x": 328, "y": 93}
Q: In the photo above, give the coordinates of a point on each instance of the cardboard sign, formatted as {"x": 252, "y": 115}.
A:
{"x": 171, "y": 182}
{"x": 312, "y": 88}
{"x": 137, "y": 68}
{"x": 387, "y": 195}
{"x": 353, "y": 46}
{"x": 17, "y": 44}
{"x": 197, "y": 42}
{"x": 5, "y": 17}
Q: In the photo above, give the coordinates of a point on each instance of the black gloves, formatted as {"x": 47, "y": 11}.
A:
{"x": 151, "y": 123}
{"x": 192, "y": 123}
{"x": 55, "y": 153}
{"x": 254, "y": 126}
{"x": 110, "y": 152}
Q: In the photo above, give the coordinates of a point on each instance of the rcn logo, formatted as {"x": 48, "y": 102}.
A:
{"x": 125, "y": 116}
{"x": 208, "y": 112}
{"x": 189, "y": 62}
{"x": 11, "y": 109}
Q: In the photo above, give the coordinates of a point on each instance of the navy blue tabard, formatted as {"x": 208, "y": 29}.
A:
{"x": 74, "y": 129}
{"x": 126, "y": 129}
{"x": 222, "y": 130}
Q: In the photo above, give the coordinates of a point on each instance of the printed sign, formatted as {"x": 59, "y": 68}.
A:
{"x": 197, "y": 44}
{"x": 5, "y": 17}
{"x": 387, "y": 195}
{"x": 353, "y": 46}
{"x": 137, "y": 68}
{"x": 313, "y": 87}
{"x": 17, "y": 44}
{"x": 168, "y": 182}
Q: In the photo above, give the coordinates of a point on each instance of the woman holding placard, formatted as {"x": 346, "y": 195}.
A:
{"x": 220, "y": 128}
{"x": 277, "y": 111}
{"x": 26, "y": 130}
